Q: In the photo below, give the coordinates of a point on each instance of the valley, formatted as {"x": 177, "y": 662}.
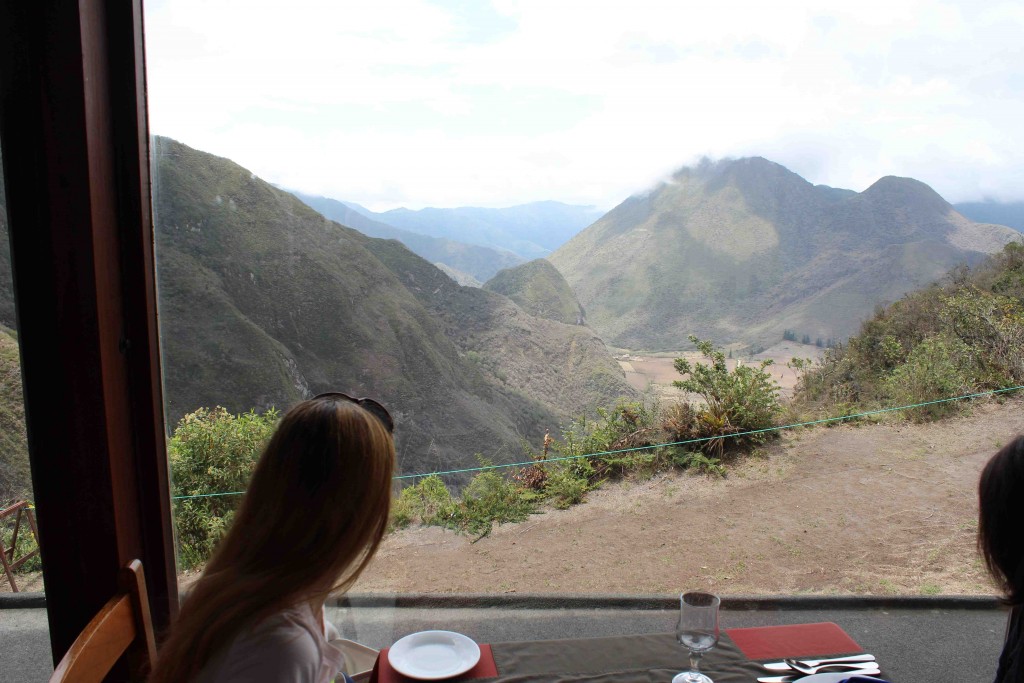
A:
{"x": 655, "y": 373}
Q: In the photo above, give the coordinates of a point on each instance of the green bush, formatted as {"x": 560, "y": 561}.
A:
{"x": 567, "y": 484}
{"x": 428, "y": 501}
{"x": 629, "y": 425}
{"x": 212, "y": 452}
{"x": 935, "y": 369}
{"x": 743, "y": 399}
{"x": 491, "y": 498}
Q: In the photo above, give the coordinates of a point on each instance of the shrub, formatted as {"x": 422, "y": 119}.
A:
{"x": 212, "y": 452}
{"x": 491, "y": 498}
{"x": 695, "y": 460}
{"x": 428, "y": 501}
{"x": 629, "y": 425}
{"x": 741, "y": 400}
{"x": 934, "y": 370}
{"x": 565, "y": 486}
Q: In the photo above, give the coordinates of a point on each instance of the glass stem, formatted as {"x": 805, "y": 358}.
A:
{"x": 695, "y": 661}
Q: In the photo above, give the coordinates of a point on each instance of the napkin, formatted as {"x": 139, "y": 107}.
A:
{"x": 793, "y": 640}
{"x": 485, "y": 668}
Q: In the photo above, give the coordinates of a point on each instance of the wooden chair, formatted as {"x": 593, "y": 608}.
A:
{"x": 122, "y": 625}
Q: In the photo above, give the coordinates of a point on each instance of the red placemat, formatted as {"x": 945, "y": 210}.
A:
{"x": 485, "y": 668}
{"x": 793, "y": 640}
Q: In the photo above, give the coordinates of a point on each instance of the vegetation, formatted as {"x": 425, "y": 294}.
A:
{"x": 26, "y": 544}
{"x": 744, "y": 399}
{"x": 212, "y": 452}
{"x": 961, "y": 336}
{"x": 562, "y": 474}
{"x": 15, "y": 478}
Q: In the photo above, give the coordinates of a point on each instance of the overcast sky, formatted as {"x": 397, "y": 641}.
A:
{"x": 468, "y": 102}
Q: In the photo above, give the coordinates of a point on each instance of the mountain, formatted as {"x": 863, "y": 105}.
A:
{"x": 529, "y": 230}
{"x": 1010, "y": 214}
{"x": 741, "y": 250}
{"x": 263, "y": 301}
{"x": 540, "y": 290}
{"x": 477, "y": 262}
{"x": 15, "y": 478}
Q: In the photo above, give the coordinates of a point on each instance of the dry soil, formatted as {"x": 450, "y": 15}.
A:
{"x": 878, "y": 508}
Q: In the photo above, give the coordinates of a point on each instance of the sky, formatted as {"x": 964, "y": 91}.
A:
{"x": 474, "y": 103}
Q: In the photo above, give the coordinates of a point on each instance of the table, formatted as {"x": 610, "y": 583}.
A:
{"x": 653, "y": 658}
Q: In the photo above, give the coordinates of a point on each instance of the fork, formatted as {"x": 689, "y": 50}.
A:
{"x": 783, "y": 666}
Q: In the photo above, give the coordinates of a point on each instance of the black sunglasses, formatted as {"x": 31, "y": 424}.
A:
{"x": 368, "y": 404}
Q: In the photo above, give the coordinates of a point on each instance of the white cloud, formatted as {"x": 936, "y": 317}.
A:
{"x": 411, "y": 103}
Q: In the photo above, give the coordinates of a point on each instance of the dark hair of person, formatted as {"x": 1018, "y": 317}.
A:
{"x": 315, "y": 510}
{"x": 1001, "y": 519}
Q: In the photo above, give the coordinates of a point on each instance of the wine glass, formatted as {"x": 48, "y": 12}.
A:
{"x": 697, "y": 631}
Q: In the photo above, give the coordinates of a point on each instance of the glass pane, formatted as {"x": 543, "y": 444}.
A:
{"x": 658, "y": 299}
{"x": 15, "y": 476}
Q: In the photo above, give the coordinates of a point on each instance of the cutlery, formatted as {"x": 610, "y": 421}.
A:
{"x": 783, "y": 666}
{"x": 797, "y": 665}
{"x": 791, "y": 678}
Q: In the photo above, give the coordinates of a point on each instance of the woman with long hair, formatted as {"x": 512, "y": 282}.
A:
{"x": 1000, "y": 520}
{"x": 314, "y": 513}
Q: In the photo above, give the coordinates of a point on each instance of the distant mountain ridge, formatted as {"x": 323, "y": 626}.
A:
{"x": 741, "y": 250}
{"x": 1010, "y": 214}
{"x": 263, "y": 301}
{"x": 478, "y": 262}
{"x": 529, "y": 230}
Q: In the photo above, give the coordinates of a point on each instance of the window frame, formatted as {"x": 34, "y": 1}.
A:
{"x": 75, "y": 145}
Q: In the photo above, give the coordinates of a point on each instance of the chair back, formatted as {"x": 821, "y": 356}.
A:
{"x": 122, "y": 624}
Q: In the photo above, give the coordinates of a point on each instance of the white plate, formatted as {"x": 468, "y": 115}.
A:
{"x": 834, "y": 677}
{"x": 433, "y": 655}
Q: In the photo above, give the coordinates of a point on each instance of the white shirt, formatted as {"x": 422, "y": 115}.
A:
{"x": 289, "y": 647}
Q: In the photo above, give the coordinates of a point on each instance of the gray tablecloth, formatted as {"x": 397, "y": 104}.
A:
{"x": 653, "y": 658}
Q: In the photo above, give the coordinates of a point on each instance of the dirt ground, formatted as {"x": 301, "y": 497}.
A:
{"x": 882, "y": 508}
{"x": 879, "y": 509}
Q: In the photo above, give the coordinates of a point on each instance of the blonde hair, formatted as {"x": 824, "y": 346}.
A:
{"x": 314, "y": 513}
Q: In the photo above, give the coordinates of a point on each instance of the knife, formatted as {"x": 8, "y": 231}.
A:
{"x": 790, "y": 678}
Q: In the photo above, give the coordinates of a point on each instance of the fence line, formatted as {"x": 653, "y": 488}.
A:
{"x": 705, "y": 439}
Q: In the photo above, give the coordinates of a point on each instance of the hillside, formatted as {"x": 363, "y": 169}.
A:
{"x": 540, "y": 290}
{"x": 264, "y": 301}
{"x": 529, "y": 230}
{"x": 480, "y": 263}
{"x": 566, "y": 368}
{"x": 15, "y": 478}
{"x": 957, "y": 337}
{"x": 741, "y": 250}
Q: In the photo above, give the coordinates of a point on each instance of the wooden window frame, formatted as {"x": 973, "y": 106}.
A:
{"x": 75, "y": 147}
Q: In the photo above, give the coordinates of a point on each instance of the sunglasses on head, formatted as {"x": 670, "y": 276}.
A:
{"x": 367, "y": 404}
